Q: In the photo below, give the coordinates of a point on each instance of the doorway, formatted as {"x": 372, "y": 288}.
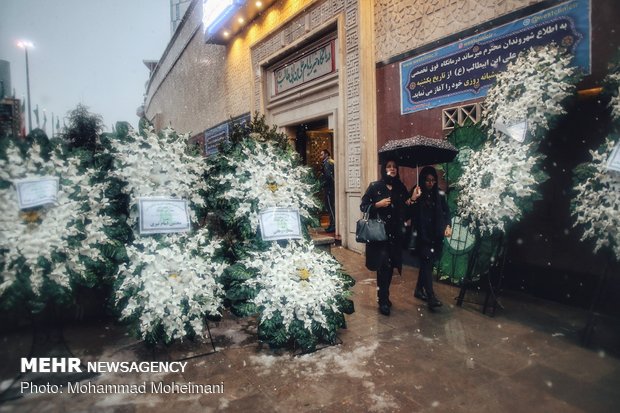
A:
{"x": 310, "y": 139}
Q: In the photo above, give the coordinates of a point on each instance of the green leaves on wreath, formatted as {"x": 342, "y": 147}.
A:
{"x": 259, "y": 129}
{"x": 466, "y": 138}
{"x": 244, "y": 309}
{"x": 345, "y": 305}
{"x": 236, "y": 273}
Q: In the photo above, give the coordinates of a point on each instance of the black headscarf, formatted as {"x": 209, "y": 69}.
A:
{"x": 389, "y": 180}
{"x": 428, "y": 170}
{"x": 430, "y": 224}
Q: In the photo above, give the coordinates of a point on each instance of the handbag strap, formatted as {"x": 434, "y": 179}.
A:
{"x": 366, "y": 215}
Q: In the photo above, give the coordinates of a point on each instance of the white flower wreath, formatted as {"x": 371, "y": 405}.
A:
{"x": 531, "y": 88}
{"x": 504, "y": 176}
{"x": 171, "y": 284}
{"x": 172, "y": 280}
{"x": 152, "y": 166}
{"x": 264, "y": 178}
{"x": 297, "y": 281}
{"x": 37, "y": 235}
{"x": 494, "y": 181}
{"x": 614, "y": 103}
{"x": 596, "y": 204}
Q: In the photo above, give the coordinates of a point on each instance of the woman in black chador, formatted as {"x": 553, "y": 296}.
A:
{"x": 386, "y": 199}
{"x": 431, "y": 220}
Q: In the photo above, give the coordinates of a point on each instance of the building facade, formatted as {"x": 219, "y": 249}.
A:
{"x": 352, "y": 102}
{"x": 177, "y": 11}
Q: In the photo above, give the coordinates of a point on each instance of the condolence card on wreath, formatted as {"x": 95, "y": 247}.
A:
{"x": 161, "y": 215}
{"x": 33, "y": 192}
{"x": 280, "y": 223}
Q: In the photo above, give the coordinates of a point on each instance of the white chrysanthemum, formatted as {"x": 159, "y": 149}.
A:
{"x": 152, "y": 167}
{"x": 597, "y": 203}
{"x": 35, "y": 240}
{"x": 173, "y": 285}
{"x": 263, "y": 178}
{"x": 497, "y": 178}
{"x": 296, "y": 281}
{"x": 171, "y": 279}
{"x": 531, "y": 88}
{"x": 40, "y": 234}
{"x": 501, "y": 177}
{"x": 596, "y": 206}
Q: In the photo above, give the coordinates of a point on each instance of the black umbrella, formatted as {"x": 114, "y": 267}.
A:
{"x": 417, "y": 150}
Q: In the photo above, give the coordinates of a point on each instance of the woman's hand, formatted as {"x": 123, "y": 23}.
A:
{"x": 384, "y": 203}
{"x": 448, "y": 232}
{"x": 417, "y": 192}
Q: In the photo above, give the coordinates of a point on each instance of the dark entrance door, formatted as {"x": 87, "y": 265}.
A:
{"x": 311, "y": 139}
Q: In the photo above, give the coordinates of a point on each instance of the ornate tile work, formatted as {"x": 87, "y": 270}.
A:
{"x": 402, "y": 25}
{"x": 294, "y": 30}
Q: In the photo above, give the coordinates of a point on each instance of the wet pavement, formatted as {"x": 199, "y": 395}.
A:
{"x": 525, "y": 359}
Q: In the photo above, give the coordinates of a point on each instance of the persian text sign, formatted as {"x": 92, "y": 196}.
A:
{"x": 466, "y": 69}
{"x": 280, "y": 223}
{"x": 32, "y": 192}
{"x": 316, "y": 63}
{"x": 163, "y": 215}
{"x": 214, "y": 137}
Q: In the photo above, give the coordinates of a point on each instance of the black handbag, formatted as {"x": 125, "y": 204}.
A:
{"x": 370, "y": 230}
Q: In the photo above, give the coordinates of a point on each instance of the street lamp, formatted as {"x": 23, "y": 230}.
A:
{"x": 25, "y": 44}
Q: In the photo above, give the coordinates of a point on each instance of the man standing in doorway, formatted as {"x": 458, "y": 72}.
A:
{"x": 329, "y": 188}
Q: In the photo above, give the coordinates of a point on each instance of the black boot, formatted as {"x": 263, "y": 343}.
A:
{"x": 433, "y": 302}
{"x": 420, "y": 293}
{"x": 384, "y": 309}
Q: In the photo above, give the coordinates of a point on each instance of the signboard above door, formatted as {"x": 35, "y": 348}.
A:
{"x": 316, "y": 63}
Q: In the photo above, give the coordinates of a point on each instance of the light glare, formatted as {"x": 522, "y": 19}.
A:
{"x": 25, "y": 44}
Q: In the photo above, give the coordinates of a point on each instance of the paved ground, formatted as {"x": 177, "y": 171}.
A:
{"x": 526, "y": 359}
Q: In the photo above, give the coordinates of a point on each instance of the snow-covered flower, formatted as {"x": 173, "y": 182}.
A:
{"x": 261, "y": 176}
{"x": 502, "y": 179}
{"x": 296, "y": 282}
{"x": 171, "y": 285}
{"x": 495, "y": 182}
{"x": 171, "y": 282}
{"x": 56, "y": 245}
{"x": 596, "y": 205}
{"x": 154, "y": 166}
{"x": 531, "y": 88}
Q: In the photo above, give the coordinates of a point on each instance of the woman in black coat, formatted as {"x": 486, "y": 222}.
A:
{"x": 431, "y": 220}
{"x": 386, "y": 200}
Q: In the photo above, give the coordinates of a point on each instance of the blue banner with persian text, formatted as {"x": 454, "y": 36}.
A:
{"x": 466, "y": 69}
